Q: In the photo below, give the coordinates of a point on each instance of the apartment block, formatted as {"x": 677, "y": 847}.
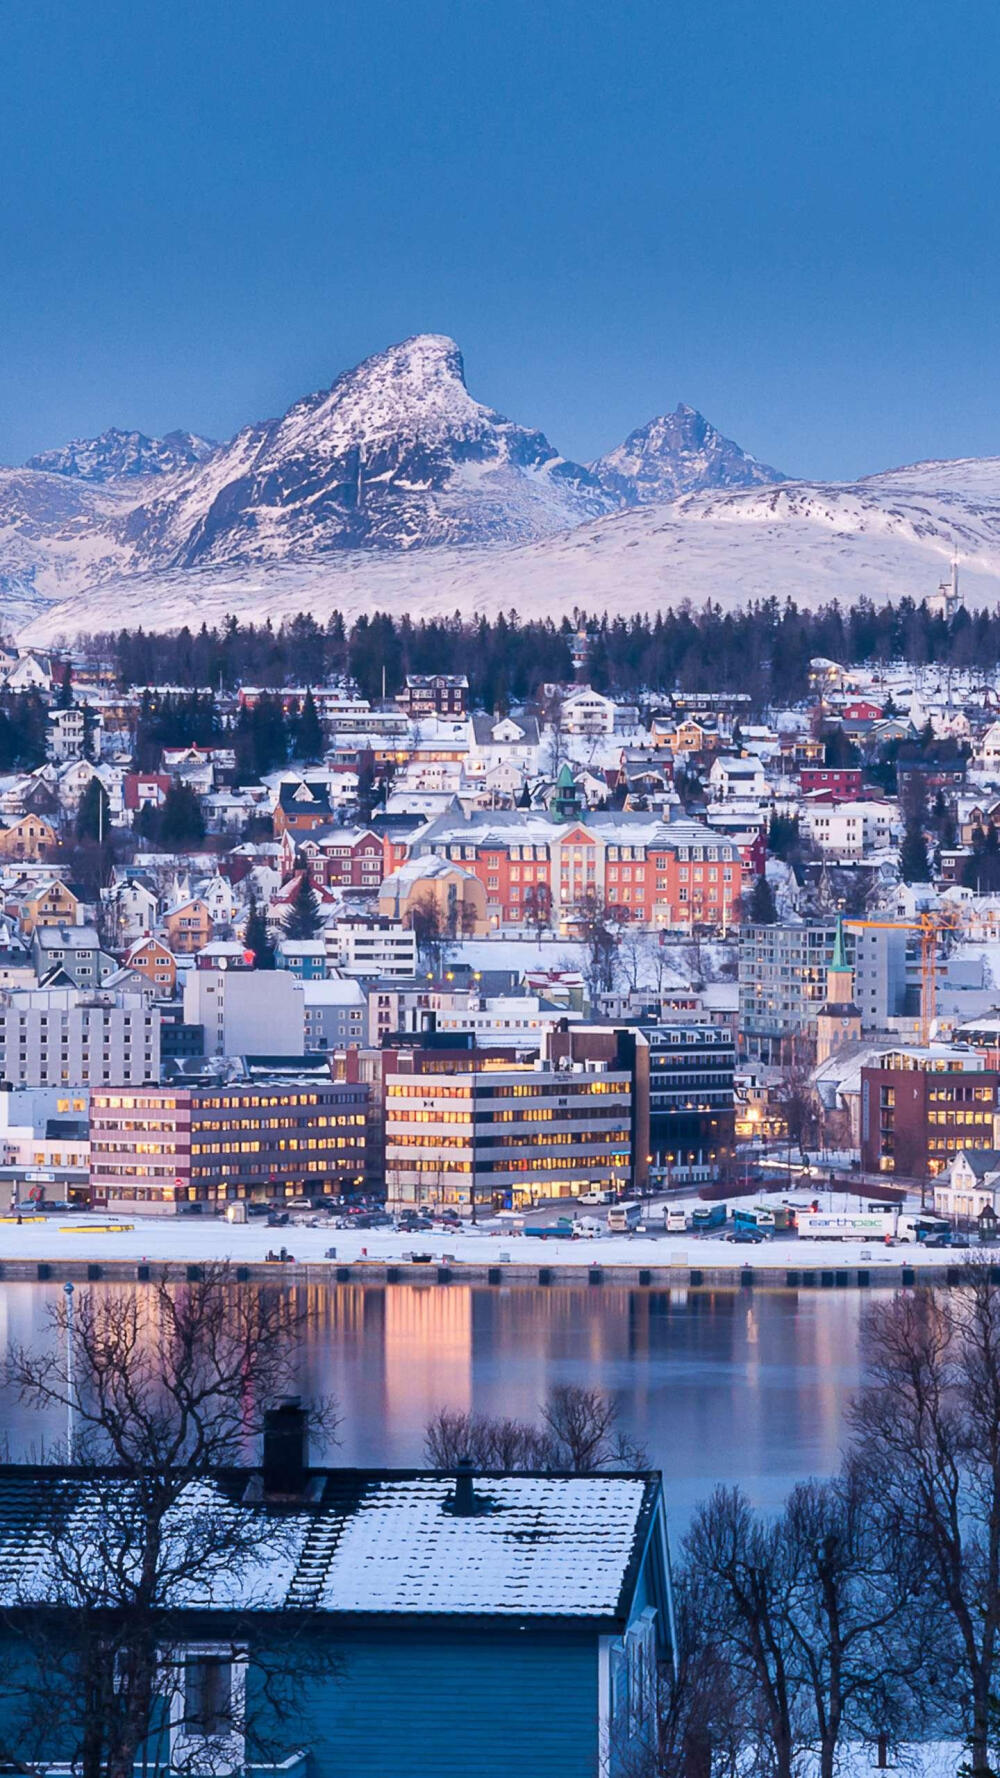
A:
{"x": 162, "y": 1150}
{"x": 782, "y": 985}
{"x": 68, "y": 1037}
{"x": 673, "y": 874}
{"x": 376, "y": 946}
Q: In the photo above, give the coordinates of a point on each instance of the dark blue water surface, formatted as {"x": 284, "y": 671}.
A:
{"x": 733, "y": 1386}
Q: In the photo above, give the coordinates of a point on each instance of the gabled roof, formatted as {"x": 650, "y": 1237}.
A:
{"x": 371, "y": 1542}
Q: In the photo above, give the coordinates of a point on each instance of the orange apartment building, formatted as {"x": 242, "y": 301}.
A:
{"x": 662, "y": 874}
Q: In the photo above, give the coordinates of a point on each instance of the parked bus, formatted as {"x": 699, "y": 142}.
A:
{"x": 676, "y": 1221}
{"x": 708, "y": 1216}
{"x": 624, "y": 1217}
{"x": 758, "y": 1218}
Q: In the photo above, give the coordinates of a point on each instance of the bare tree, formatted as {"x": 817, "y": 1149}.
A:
{"x": 454, "y": 1437}
{"x": 796, "y": 1096}
{"x": 856, "y": 1611}
{"x": 537, "y": 909}
{"x": 579, "y": 1432}
{"x": 739, "y": 1576}
{"x": 583, "y": 1425}
{"x": 927, "y": 1429}
{"x": 430, "y": 925}
{"x": 600, "y": 924}
{"x": 163, "y": 1388}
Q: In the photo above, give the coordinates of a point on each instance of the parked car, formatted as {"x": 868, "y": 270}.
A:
{"x": 746, "y": 1237}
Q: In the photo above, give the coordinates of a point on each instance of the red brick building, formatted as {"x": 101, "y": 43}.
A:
{"x": 919, "y": 1108}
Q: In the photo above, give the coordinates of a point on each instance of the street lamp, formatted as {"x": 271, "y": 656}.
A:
{"x": 70, "y": 1430}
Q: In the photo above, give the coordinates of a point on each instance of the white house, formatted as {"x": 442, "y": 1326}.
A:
{"x": 850, "y": 830}
{"x": 972, "y": 1184}
{"x": 988, "y": 751}
{"x": 68, "y": 733}
{"x": 737, "y": 777}
{"x": 586, "y": 712}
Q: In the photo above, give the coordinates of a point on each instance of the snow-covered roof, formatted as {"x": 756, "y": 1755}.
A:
{"x": 384, "y": 1542}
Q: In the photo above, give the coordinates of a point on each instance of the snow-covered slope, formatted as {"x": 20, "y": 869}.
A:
{"x": 122, "y": 456}
{"x": 678, "y": 453}
{"x": 56, "y": 535}
{"x": 395, "y": 488}
{"x": 880, "y": 538}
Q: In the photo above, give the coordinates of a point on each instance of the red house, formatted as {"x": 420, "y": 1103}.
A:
{"x": 344, "y": 858}
{"x": 841, "y": 782}
{"x": 861, "y": 710}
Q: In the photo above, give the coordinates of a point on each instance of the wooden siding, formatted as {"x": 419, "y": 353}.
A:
{"x": 504, "y": 1706}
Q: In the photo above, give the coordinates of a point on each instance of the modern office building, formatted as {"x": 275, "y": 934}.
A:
{"x": 692, "y": 1109}
{"x": 480, "y": 1130}
{"x": 164, "y": 1149}
{"x": 922, "y": 1107}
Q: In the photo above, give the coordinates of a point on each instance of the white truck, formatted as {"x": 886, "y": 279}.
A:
{"x": 866, "y": 1225}
{"x": 863, "y": 1225}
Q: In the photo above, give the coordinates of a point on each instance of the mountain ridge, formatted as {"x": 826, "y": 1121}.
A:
{"x": 396, "y": 484}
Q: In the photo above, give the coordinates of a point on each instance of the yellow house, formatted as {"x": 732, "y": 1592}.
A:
{"x": 188, "y": 927}
{"x": 32, "y": 838}
{"x": 431, "y": 893}
{"x": 48, "y": 904}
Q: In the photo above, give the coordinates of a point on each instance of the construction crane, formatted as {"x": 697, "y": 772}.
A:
{"x": 930, "y": 926}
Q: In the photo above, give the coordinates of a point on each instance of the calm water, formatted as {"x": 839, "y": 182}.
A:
{"x": 720, "y": 1387}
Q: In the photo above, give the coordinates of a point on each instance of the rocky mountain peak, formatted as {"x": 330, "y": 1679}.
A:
{"x": 678, "y": 453}
{"x": 118, "y": 455}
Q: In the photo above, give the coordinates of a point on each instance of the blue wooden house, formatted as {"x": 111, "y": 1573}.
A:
{"x": 502, "y": 1625}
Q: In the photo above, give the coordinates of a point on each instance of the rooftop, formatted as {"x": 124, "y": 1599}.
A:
{"x": 368, "y": 1541}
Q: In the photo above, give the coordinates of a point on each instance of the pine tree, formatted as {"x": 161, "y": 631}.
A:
{"x": 304, "y": 917}
{"x": 181, "y": 824}
{"x": 762, "y": 910}
{"x": 65, "y": 698}
{"x": 93, "y": 815}
{"x": 257, "y": 939}
{"x": 914, "y": 865}
{"x": 308, "y": 744}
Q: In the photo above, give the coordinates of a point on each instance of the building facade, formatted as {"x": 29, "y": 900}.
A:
{"x": 164, "y": 1149}
{"x": 782, "y": 985}
{"x": 65, "y": 1037}
{"x": 921, "y": 1108}
{"x": 691, "y": 1101}
{"x": 474, "y": 1129}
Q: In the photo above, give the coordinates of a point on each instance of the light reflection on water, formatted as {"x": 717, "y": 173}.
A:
{"x": 719, "y": 1386}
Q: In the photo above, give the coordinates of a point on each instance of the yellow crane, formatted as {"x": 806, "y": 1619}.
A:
{"x": 930, "y": 925}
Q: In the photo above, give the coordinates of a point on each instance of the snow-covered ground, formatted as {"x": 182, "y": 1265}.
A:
{"x": 89, "y": 1237}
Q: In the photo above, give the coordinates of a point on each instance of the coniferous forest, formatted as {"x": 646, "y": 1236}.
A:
{"x": 764, "y": 649}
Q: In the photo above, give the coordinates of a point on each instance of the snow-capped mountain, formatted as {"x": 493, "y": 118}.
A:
{"x": 396, "y": 455}
{"x": 395, "y": 488}
{"x": 678, "y": 453}
{"x": 880, "y": 538}
{"x": 121, "y": 456}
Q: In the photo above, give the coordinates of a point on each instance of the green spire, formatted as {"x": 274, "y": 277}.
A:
{"x": 838, "y": 961}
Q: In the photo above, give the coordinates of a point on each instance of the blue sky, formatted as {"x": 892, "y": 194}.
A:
{"x": 785, "y": 214}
